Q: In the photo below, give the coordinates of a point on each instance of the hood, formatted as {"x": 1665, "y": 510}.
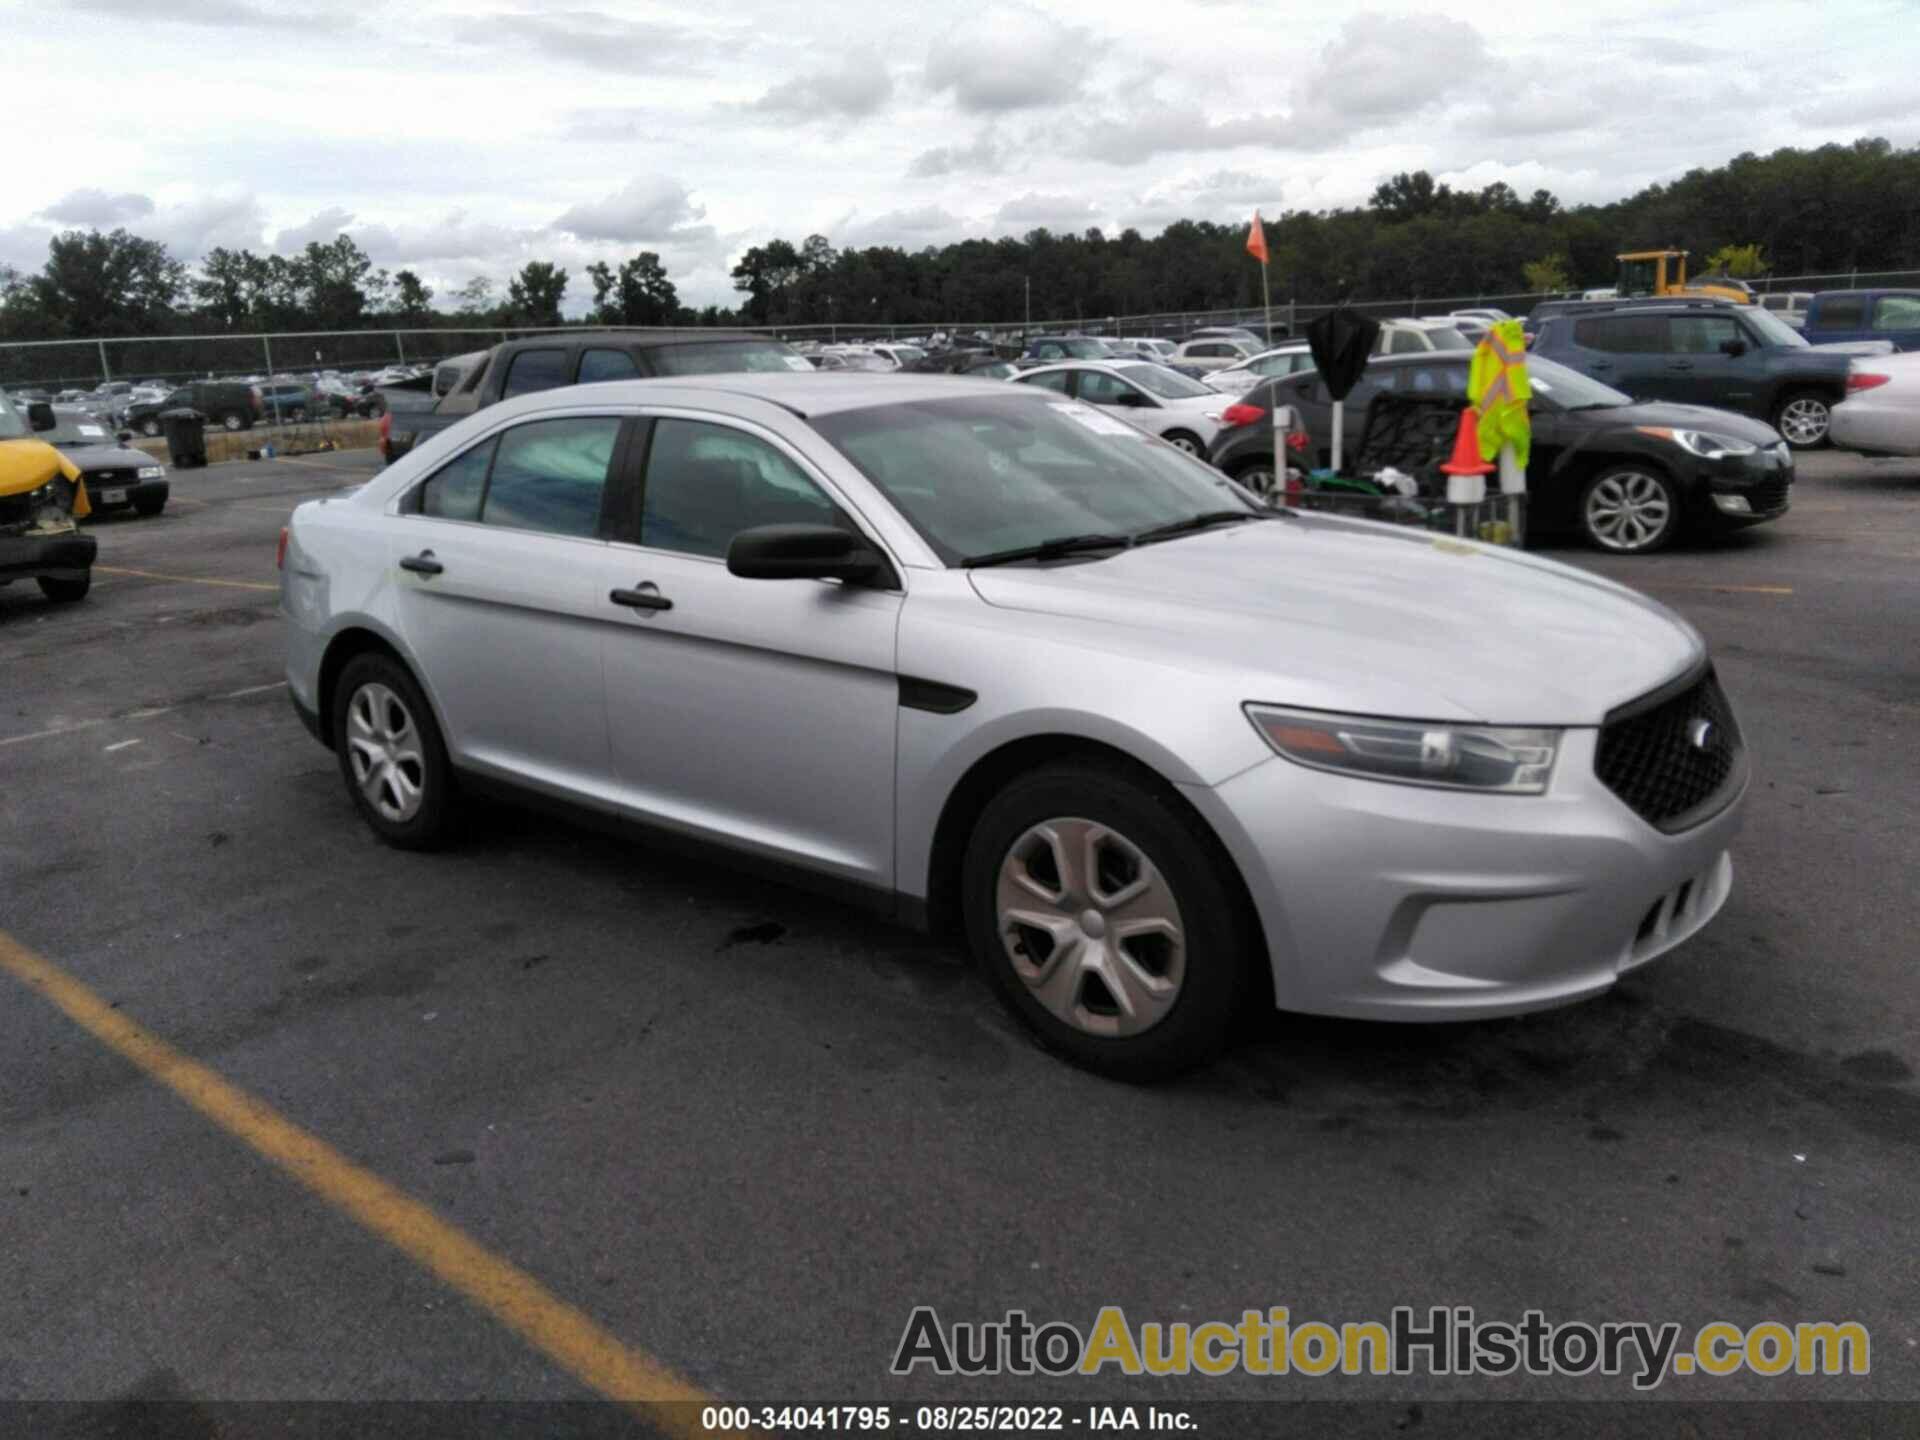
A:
{"x": 1344, "y": 615}
{"x": 1683, "y": 417}
{"x": 26, "y": 465}
{"x": 111, "y": 456}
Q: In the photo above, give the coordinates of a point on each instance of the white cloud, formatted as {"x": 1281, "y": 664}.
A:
{"x": 986, "y": 155}
{"x": 649, "y": 207}
{"x": 908, "y": 229}
{"x": 322, "y": 228}
{"x": 1381, "y": 68}
{"x": 1010, "y": 57}
{"x": 854, "y": 86}
{"x": 1055, "y": 212}
{"x": 97, "y": 209}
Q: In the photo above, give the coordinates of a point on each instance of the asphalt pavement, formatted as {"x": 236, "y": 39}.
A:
{"x": 740, "y": 1133}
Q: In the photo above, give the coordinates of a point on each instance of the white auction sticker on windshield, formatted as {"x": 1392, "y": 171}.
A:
{"x": 1094, "y": 420}
{"x": 798, "y": 362}
{"x": 91, "y": 430}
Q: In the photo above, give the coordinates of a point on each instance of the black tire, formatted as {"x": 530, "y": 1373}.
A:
{"x": 1214, "y": 955}
{"x": 1636, "y": 488}
{"x": 430, "y": 825}
{"x": 65, "y": 592}
{"x": 1258, "y": 476}
{"x": 1806, "y": 414}
{"x": 149, "y": 508}
{"x": 1186, "y": 440}
{"x": 233, "y": 421}
{"x": 150, "y": 427}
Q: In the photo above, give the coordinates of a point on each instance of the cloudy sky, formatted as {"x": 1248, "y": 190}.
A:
{"x": 465, "y": 140}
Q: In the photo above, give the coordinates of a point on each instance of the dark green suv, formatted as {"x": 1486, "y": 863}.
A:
{"x": 226, "y": 403}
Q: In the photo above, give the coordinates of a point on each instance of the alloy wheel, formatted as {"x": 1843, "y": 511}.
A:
{"x": 383, "y": 744}
{"x": 1804, "y": 421}
{"x": 1091, "y": 926}
{"x": 1629, "y": 510}
{"x": 1184, "y": 442}
{"x": 1258, "y": 479}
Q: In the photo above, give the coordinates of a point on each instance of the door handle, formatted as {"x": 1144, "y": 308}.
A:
{"x": 640, "y": 599}
{"x": 421, "y": 564}
{"x": 1679, "y": 365}
{"x": 1599, "y": 364}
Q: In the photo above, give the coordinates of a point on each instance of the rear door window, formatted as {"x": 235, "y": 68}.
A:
{"x": 548, "y": 476}
{"x": 603, "y": 364}
{"x": 1052, "y": 380}
{"x": 1845, "y": 312}
{"x": 1622, "y": 334}
{"x": 532, "y": 370}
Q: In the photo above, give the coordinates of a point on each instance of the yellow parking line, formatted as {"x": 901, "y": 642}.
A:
{"x": 1727, "y": 589}
{"x": 567, "y": 1336}
{"x": 187, "y": 579}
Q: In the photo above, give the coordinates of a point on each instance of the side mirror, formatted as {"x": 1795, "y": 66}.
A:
{"x": 40, "y": 416}
{"x": 124, "y": 436}
{"x": 1733, "y": 347}
{"x": 803, "y": 552}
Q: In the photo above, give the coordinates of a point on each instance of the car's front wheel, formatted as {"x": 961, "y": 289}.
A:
{"x": 65, "y": 592}
{"x": 1629, "y": 509}
{"x": 1257, "y": 476}
{"x": 1183, "y": 440}
{"x": 150, "y": 427}
{"x": 1098, "y": 910}
{"x": 233, "y": 421}
{"x": 149, "y": 508}
{"x": 391, "y": 753}
{"x": 1804, "y": 419}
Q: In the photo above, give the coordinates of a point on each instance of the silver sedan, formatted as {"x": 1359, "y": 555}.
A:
{"x": 989, "y": 659}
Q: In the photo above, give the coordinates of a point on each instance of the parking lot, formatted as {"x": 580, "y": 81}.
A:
{"x": 737, "y": 1133}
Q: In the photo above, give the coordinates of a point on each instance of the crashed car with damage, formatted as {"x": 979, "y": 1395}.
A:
{"x": 43, "y": 496}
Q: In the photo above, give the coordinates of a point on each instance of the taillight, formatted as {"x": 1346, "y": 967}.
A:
{"x": 1241, "y": 413}
{"x": 1866, "y": 381}
{"x": 280, "y": 555}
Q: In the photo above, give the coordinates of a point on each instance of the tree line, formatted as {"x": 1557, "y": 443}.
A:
{"x": 1826, "y": 210}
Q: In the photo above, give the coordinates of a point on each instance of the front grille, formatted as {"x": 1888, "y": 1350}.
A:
{"x": 1767, "y": 496}
{"x": 1648, "y": 756}
{"x": 97, "y": 478}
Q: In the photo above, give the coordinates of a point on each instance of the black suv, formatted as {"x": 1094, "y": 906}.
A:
{"x": 1731, "y": 357}
{"x": 226, "y": 403}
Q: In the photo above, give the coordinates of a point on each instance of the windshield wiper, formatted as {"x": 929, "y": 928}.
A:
{"x": 1050, "y": 549}
{"x": 1205, "y": 520}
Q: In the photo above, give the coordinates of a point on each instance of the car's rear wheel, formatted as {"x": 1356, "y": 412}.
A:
{"x": 1803, "y": 420}
{"x": 150, "y": 427}
{"x": 1183, "y": 440}
{"x": 1100, "y": 915}
{"x": 1629, "y": 509}
{"x": 233, "y": 420}
{"x": 65, "y": 592}
{"x": 391, "y": 753}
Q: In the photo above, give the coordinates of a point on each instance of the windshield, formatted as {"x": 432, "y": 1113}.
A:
{"x": 716, "y": 357}
{"x": 1569, "y": 389}
{"x": 1082, "y": 349}
{"x": 907, "y": 354}
{"x": 13, "y": 423}
{"x": 79, "y": 427}
{"x": 987, "y": 473}
{"x": 1445, "y": 337}
{"x": 1773, "y": 329}
{"x": 1167, "y": 384}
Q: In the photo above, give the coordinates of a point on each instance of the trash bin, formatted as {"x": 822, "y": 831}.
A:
{"x": 186, "y": 432}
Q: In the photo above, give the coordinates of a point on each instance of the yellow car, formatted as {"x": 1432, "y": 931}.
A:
{"x": 42, "y": 496}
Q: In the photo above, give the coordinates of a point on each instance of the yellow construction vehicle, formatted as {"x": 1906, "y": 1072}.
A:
{"x": 1664, "y": 272}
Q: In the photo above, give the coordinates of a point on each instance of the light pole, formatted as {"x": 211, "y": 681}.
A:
{"x": 1026, "y": 283}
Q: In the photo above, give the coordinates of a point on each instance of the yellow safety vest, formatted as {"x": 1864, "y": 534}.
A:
{"x": 1497, "y": 384}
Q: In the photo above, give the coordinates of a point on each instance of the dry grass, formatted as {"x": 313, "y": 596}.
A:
{"x": 285, "y": 439}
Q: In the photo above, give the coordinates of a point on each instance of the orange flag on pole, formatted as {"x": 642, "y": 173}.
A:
{"x": 1257, "y": 239}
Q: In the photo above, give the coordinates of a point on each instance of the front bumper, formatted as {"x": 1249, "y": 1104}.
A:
{"x": 142, "y": 492}
{"x": 1386, "y": 901}
{"x": 1762, "y": 483}
{"x": 67, "y": 555}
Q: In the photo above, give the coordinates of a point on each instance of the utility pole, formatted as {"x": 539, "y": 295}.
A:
{"x": 1026, "y": 282}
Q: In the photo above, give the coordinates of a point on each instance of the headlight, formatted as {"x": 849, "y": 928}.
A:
{"x": 1499, "y": 759}
{"x": 1703, "y": 443}
{"x": 152, "y": 472}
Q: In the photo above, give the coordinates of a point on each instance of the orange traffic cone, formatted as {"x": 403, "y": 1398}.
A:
{"x": 1466, "y": 448}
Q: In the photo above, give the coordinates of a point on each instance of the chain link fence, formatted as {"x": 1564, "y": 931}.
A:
{"x": 56, "y": 365}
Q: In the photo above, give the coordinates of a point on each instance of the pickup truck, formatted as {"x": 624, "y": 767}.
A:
{"x": 1839, "y": 315}
{"x": 416, "y": 409}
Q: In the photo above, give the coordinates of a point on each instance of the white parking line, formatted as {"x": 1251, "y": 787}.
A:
{"x": 120, "y": 745}
{"x": 79, "y": 725}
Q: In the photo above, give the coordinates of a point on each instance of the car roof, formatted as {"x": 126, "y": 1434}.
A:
{"x": 817, "y": 392}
